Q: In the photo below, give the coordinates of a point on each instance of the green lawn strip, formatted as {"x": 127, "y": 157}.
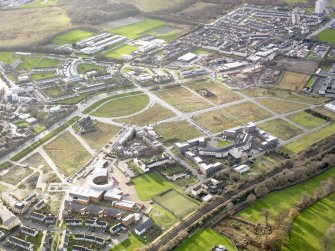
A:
{"x": 162, "y": 217}
{"x": 205, "y": 239}
{"x": 104, "y": 100}
{"x": 41, "y": 76}
{"x": 130, "y": 244}
{"x": 46, "y": 138}
{"x": 311, "y": 225}
{"x": 123, "y": 106}
{"x": 327, "y": 36}
{"x": 279, "y": 201}
{"x": 306, "y": 141}
{"x": 71, "y": 37}
{"x": 39, "y": 4}
{"x": 307, "y": 120}
{"x": 119, "y": 51}
{"x": 311, "y": 81}
{"x": 135, "y": 30}
{"x": 150, "y": 185}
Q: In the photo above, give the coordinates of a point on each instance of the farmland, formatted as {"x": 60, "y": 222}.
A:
{"x": 281, "y": 129}
{"x": 67, "y": 153}
{"x": 122, "y": 106}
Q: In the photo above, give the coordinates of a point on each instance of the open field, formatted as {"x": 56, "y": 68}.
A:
{"x": 103, "y": 134}
{"x": 311, "y": 225}
{"x": 136, "y": 30}
{"x": 263, "y": 163}
{"x": 40, "y": 3}
{"x": 35, "y": 60}
{"x": 154, "y": 5}
{"x": 122, "y": 107}
{"x": 84, "y": 68}
{"x": 222, "y": 93}
{"x": 16, "y": 174}
{"x": 177, "y": 131}
{"x": 41, "y": 76}
{"x": 39, "y": 23}
{"x": 150, "y": 185}
{"x": 277, "y": 202}
{"x": 36, "y": 160}
{"x": 306, "y": 120}
{"x": 119, "y": 51}
{"x": 304, "y": 142}
{"x": 293, "y": 81}
{"x": 71, "y": 37}
{"x": 53, "y": 91}
{"x": 281, "y": 106}
{"x": 282, "y": 94}
{"x": 281, "y": 129}
{"x": 222, "y": 119}
{"x": 130, "y": 244}
{"x": 179, "y": 205}
{"x": 153, "y": 114}
{"x": 183, "y": 99}
{"x": 325, "y": 112}
{"x": 7, "y": 57}
{"x": 205, "y": 239}
{"x": 67, "y": 153}
{"x": 162, "y": 217}
{"x": 327, "y": 36}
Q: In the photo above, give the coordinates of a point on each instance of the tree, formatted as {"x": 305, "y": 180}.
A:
{"x": 251, "y": 199}
{"x": 261, "y": 190}
{"x": 266, "y": 214}
{"x": 275, "y": 240}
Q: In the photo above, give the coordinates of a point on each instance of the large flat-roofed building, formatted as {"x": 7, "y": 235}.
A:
{"x": 8, "y": 219}
{"x": 188, "y": 57}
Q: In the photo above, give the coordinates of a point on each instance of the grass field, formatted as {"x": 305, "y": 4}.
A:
{"x": 130, "y": 244}
{"x": 311, "y": 225}
{"x": 281, "y": 129}
{"x": 279, "y": 201}
{"x": 282, "y": 94}
{"x": 83, "y": 68}
{"x": 36, "y": 160}
{"x": 222, "y": 119}
{"x": 327, "y": 36}
{"x": 293, "y": 81}
{"x": 7, "y": 57}
{"x": 172, "y": 132}
{"x": 134, "y": 31}
{"x": 71, "y": 37}
{"x": 67, "y": 153}
{"x": 36, "y": 60}
{"x": 222, "y": 94}
{"x": 122, "y": 106}
{"x": 325, "y": 112}
{"x": 38, "y": 24}
{"x": 162, "y": 217}
{"x": 119, "y": 51}
{"x": 183, "y": 99}
{"x": 153, "y": 114}
{"x": 150, "y": 185}
{"x": 40, "y": 3}
{"x": 311, "y": 81}
{"x": 41, "y": 76}
{"x": 205, "y": 239}
{"x": 304, "y": 142}
{"x": 179, "y": 205}
{"x": 15, "y": 175}
{"x": 53, "y": 91}
{"x": 263, "y": 163}
{"x": 101, "y": 136}
{"x": 281, "y": 106}
{"x": 306, "y": 120}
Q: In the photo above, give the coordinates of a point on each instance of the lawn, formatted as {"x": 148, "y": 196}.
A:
{"x": 162, "y": 217}
{"x": 150, "y": 185}
{"x": 103, "y": 134}
{"x": 122, "y": 106}
{"x": 36, "y": 61}
{"x": 183, "y": 99}
{"x": 53, "y": 91}
{"x": 72, "y": 36}
{"x": 293, "y": 81}
{"x": 281, "y": 106}
{"x": 304, "y": 142}
{"x": 311, "y": 81}
{"x": 8, "y": 57}
{"x": 325, "y": 112}
{"x": 205, "y": 239}
{"x": 306, "y": 120}
{"x": 67, "y": 153}
{"x": 222, "y": 94}
{"x": 41, "y": 76}
{"x": 177, "y": 204}
{"x": 281, "y": 129}
{"x": 327, "y": 36}
{"x": 84, "y": 68}
{"x": 201, "y": 51}
{"x": 40, "y": 3}
{"x": 175, "y": 131}
{"x": 277, "y": 202}
{"x": 38, "y": 24}
{"x": 311, "y": 225}
{"x": 152, "y": 115}
{"x": 15, "y": 175}
{"x": 135, "y": 30}
{"x": 263, "y": 163}
{"x": 130, "y": 244}
{"x": 119, "y": 51}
